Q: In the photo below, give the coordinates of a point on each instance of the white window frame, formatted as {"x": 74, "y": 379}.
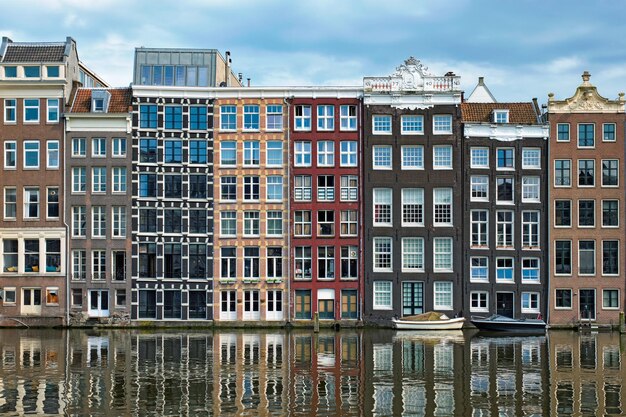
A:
{"x": 250, "y": 148}
{"x": 380, "y": 289}
{"x": 439, "y": 291}
{"x": 349, "y": 218}
{"x": 10, "y": 107}
{"x": 618, "y": 258}
{"x": 225, "y": 146}
{"x": 25, "y": 152}
{"x": 273, "y": 110}
{"x": 118, "y": 223}
{"x": 481, "y": 299}
{"x": 618, "y": 215}
{"x": 79, "y": 212}
{"x": 442, "y": 124}
{"x": 382, "y": 197}
{"x": 526, "y": 267}
{"x": 440, "y": 200}
{"x": 418, "y": 157}
{"x": 349, "y": 192}
{"x": 578, "y": 173}
{"x": 437, "y": 252}
{"x": 412, "y": 124}
{"x": 347, "y": 122}
{"x": 530, "y": 240}
{"x": 98, "y": 182}
{"x": 604, "y": 139}
{"x": 8, "y": 151}
{"x": 473, "y": 268}
{"x": 506, "y": 243}
{"x": 97, "y": 150}
{"x": 300, "y": 121}
{"x": 483, "y": 226}
{"x": 531, "y": 304}
{"x": 602, "y": 175}
{"x": 325, "y": 117}
{"x": 225, "y": 118}
{"x": 570, "y": 174}
{"x": 274, "y": 182}
{"x": 271, "y": 147}
{"x": 98, "y": 222}
{"x": 271, "y": 217}
{"x": 301, "y": 189}
{"x": 479, "y": 183}
{"x": 382, "y": 124}
{"x": 505, "y": 268}
{"x": 119, "y": 151}
{"x": 527, "y": 157}
{"x": 251, "y": 223}
{"x": 579, "y": 211}
{"x": 302, "y": 150}
{"x": 387, "y": 241}
{"x": 382, "y": 161}
{"x": 416, "y": 200}
{"x": 27, "y": 107}
{"x": 413, "y": 249}
{"x": 325, "y": 153}
{"x": 348, "y": 149}
{"x": 50, "y": 152}
{"x": 604, "y": 307}
{"x": 81, "y": 148}
{"x": 228, "y": 216}
{"x": 569, "y": 132}
{"x": 441, "y": 161}
{"x": 512, "y": 200}
{"x": 52, "y": 104}
{"x": 531, "y": 189}
{"x": 27, "y": 203}
{"x": 13, "y": 203}
{"x": 119, "y": 180}
{"x": 474, "y": 157}
{"x": 501, "y": 116}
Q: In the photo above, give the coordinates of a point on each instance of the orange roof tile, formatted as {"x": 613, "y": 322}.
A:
{"x": 119, "y": 102}
{"x": 520, "y": 113}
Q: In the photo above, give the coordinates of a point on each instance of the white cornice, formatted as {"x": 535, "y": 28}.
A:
{"x": 104, "y": 122}
{"x": 586, "y": 100}
{"x": 31, "y": 90}
{"x": 247, "y": 92}
{"x": 506, "y": 133}
{"x": 412, "y": 101}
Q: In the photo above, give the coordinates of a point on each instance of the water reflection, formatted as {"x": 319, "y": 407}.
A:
{"x": 300, "y": 373}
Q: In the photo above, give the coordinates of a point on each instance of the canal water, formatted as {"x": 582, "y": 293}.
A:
{"x": 301, "y": 373}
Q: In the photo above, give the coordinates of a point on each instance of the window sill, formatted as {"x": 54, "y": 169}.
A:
{"x": 389, "y": 308}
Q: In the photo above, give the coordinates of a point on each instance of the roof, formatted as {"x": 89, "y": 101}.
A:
{"x": 34, "y": 52}
{"x": 520, "y": 113}
{"x": 481, "y": 93}
{"x": 120, "y": 101}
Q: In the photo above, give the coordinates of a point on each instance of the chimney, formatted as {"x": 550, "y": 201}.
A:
{"x": 248, "y": 82}
{"x": 227, "y": 75}
{"x": 481, "y": 80}
{"x": 240, "y": 77}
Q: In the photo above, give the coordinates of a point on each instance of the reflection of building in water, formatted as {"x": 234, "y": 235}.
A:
{"x": 327, "y": 373}
{"x": 29, "y": 367}
{"x": 586, "y": 374}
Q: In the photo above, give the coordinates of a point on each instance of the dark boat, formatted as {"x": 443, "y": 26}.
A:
{"x": 498, "y": 323}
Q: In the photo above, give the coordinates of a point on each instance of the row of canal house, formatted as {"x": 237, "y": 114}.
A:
{"x": 190, "y": 197}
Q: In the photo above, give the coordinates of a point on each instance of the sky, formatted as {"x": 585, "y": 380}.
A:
{"x": 523, "y": 48}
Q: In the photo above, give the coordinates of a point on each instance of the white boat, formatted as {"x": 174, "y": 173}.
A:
{"x": 429, "y": 321}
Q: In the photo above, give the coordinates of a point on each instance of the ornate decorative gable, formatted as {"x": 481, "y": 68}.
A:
{"x": 586, "y": 100}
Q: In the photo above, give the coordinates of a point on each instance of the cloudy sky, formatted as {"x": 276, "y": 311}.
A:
{"x": 523, "y": 48}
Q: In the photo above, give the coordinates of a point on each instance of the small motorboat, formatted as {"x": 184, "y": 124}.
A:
{"x": 498, "y": 323}
{"x": 428, "y": 321}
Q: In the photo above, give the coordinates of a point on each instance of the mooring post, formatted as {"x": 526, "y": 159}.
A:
{"x": 622, "y": 325}
{"x": 316, "y": 323}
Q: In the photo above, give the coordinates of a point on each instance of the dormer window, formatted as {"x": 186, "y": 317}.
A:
{"x": 501, "y": 116}
{"x": 99, "y": 100}
{"x": 98, "y": 104}
{"x": 32, "y": 71}
{"x": 52, "y": 71}
{"x": 10, "y": 71}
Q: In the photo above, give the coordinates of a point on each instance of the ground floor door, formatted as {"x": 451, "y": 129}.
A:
{"x": 587, "y": 304}
{"x": 251, "y": 309}
{"x": 31, "y": 301}
{"x": 412, "y": 298}
{"x": 228, "y": 305}
{"x": 274, "y": 305}
{"x": 504, "y": 304}
{"x": 98, "y": 303}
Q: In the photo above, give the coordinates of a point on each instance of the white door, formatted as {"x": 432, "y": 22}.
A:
{"x": 274, "y": 305}
{"x": 251, "y": 305}
{"x": 228, "y": 305}
{"x": 98, "y": 303}
{"x": 31, "y": 301}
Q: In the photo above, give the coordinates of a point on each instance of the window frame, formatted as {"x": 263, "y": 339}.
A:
{"x": 382, "y": 289}
{"x": 438, "y": 130}
{"x": 382, "y": 124}
{"x": 26, "y": 152}
{"x": 351, "y": 120}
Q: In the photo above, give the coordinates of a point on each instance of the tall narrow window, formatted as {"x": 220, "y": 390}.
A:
{"x": 382, "y": 206}
{"x": 442, "y": 198}
{"x": 412, "y": 207}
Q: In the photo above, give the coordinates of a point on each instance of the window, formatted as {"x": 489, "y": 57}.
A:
{"x": 530, "y": 302}
{"x": 228, "y": 188}
{"x": 443, "y": 295}
{"x": 10, "y": 155}
{"x": 119, "y": 147}
{"x": 10, "y": 110}
{"x": 274, "y": 154}
{"x": 504, "y": 190}
{"x": 442, "y": 124}
{"x": 31, "y": 154}
{"x": 506, "y": 158}
{"x": 303, "y": 154}
{"x": 586, "y": 213}
{"x": 173, "y": 151}
{"x": 197, "y": 221}
{"x": 501, "y": 116}
{"x": 147, "y": 260}
{"x": 274, "y": 223}
{"x": 251, "y": 117}
{"x": 79, "y": 221}
{"x": 382, "y": 206}
{"x": 412, "y": 157}
{"x": 412, "y": 124}
{"x": 172, "y": 262}
{"x": 228, "y": 153}
{"x": 31, "y": 255}
{"x": 586, "y": 173}
{"x": 98, "y": 221}
{"x": 325, "y": 153}
{"x": 504, "y": 270}
{"x": 348, "y": 153}
{"x": 32, "y": 71}
{"x": 610, "y": 299}
{"x": 119, "y": 179}
{"x": 302, "y": 117}
{"x": 251, "y": 188}
{"x": 381, "y": 124}
{"x": 349, "y": 187}
{"x": 382, "y": 157}
{"x": 349, "y": 262}
{"x": 480, "y": 228}
{"x": 530, "y": 270}
{"x": 97, "y": 105}
{"x": 479, "y": 157}
{"x": 119, "y": 221}
{"x": 442, "y": 254}
{"x": 302, "y": 223}
{"x": 303, "y": 305}
{"x": 251, "y": 223}
{"x": 53, "y": 110}
{"x": 274, "y": 188}
{"x": 10, "y": 255}
{"x": 99, "y": 179}
{"x": 531, "y": 158}
{"x": 173, "y": 117}
{"x": 98, "y": 147}
{"x": 504, "y": 229}
{"x": 530, "y": 229}
{"x": 10, "y": 203}
{"x": 349, "y": 223}
{"x": 120, "y": 298}
{"x": 31, "y": 203}
{"x": 228, "y": 118}
{"x": 303, "y": 262}
{"x": 382, "y": 254}
{"x": 302, "y": 188}
{"x": 52, "y": 203}
{"x": 197, "y": 151}
{"x": 326, "y": 262}
{"x": 562, "y": 213}
{"x": 10, "y": 71}
{"x": 412, "y": 254}
{"x": 442, "y": 198}
{"x": 274, "y": 263}
{"x": 251, "y": 153}
{"x": 147, "y": 185}
{"x": 530, "y": 189}
{"x": 147, "y": 220}
{"x": 325, "y": 117}
{"x": 563, "y": 257}
{"x": 608, "y": 130}
{"x": 147, "y": 150}
{"x": 563, "y": 298}
{"x": 610, "y": 172}
{"x": 197, "y": 117}
{"x": 586, "y": 135}
{"x": 79, "y": 265}
{"x": 98, "y": 264}
{"x": 587, "y": 257}
{"x": 480, "y": 188}
{"x": 610, "y": 257}
{"x": 274, "y": 117}
{"x": 172, "y": 220}
{"x": 610, "y": 213}
{"x": 479, "y": 301}
{"x": 442, "y": 157}
{"x": 347, "y": 117}
{"x": 479, "y": 269}
{"x": 147, "y": 304}
{"x": 325, "y": 223}
{"x": 325, "y": 187}
{"x": 229, "y": 263}
{"x": 562, "y": 132}
{"x": 31, "y": 110}
{"x": 382, "y": 295}
{"x": 79, "y": 147}
{"x": 562, "y": 173}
